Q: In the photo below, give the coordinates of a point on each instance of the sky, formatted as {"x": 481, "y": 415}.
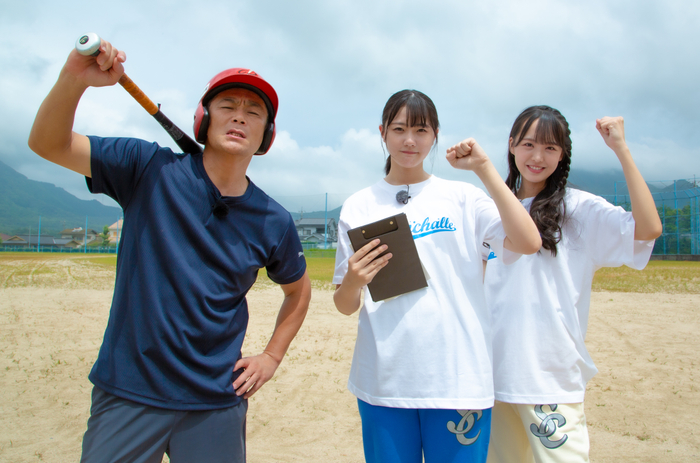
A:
{"x": 335, "y": 63}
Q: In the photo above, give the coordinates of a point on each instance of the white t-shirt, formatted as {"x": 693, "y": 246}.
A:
{"x": 539, "y": 305}
{"x": 429, "y": 348}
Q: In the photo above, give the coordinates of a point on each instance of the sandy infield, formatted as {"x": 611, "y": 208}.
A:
{"x": 642, "y": 406}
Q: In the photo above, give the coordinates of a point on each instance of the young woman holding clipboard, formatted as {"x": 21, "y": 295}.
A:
{"x": 422, "y": 365}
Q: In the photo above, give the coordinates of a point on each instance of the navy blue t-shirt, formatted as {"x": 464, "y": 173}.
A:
{"x": 179, "y": 312}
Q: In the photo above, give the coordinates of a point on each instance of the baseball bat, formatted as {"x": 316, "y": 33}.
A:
{"x": 89, "y": 44}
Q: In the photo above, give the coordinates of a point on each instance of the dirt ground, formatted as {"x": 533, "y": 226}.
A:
{"x": 642, "y": 407}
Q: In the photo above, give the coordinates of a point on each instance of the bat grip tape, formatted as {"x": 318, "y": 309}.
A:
{"x": 138, "y": 94}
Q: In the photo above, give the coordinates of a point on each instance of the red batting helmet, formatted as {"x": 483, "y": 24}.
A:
{"x": 241, "y": 78}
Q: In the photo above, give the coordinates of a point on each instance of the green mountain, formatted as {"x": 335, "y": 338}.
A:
{"x": 22, "y": 201}
{"x": 612, "y": 182}
{"x": 598, "y": 183}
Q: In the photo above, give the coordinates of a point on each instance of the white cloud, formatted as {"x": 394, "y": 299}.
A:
{"x": 334, "y": 64}
{"x": 293, "y": 174}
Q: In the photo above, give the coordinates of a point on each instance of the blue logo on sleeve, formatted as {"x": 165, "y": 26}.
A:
{"x": 425, "y": 228}
{"x": 491, "y": 254}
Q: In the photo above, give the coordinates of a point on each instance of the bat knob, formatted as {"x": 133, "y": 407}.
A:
{"x": 88, "y": 44}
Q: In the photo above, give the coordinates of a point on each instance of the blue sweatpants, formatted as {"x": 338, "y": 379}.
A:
{"x": 405, "y": 435}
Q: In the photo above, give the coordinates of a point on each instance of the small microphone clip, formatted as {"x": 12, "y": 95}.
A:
{"x": 220, "y": 209}
{"x": 402, "y": 196}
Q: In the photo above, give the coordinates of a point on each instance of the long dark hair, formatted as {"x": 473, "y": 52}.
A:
{"x": 420, "y": 110}
{"x": 548, "y": 209}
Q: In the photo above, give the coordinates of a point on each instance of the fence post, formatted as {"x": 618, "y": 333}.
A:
{"x": 117, "y": 240}
{"x": 325, "y": 225}
{"x": 663, "y": 226}
{"x": 678, "y": 230}
{"x": 692, "y": 226}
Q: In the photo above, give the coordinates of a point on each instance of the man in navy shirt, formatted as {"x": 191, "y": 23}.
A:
{"x": 170, "y": 377}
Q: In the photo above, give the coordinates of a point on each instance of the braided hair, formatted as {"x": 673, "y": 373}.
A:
{"x": 548, "y": 209}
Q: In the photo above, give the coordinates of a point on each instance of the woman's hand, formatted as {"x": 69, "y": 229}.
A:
{"x": 468, "y": 155}
{"x": 612, "y": 129}
{"x": 362, "y": 267}
{"x": 647, "y": 224}
{"x": 364, "y": 264}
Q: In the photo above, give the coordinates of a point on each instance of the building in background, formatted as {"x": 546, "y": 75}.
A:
{"x": 317, "y": 233}
{"x": 79, "y": 235}
{"x": 115, "y": 232}
{"x": 31, "y": 241}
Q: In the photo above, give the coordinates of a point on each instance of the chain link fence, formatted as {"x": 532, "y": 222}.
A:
{"x": 317, "y": 219}
{"x": 679, "y": 209}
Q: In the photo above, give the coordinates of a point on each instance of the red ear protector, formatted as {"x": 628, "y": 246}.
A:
{"x": 241, "y": 78}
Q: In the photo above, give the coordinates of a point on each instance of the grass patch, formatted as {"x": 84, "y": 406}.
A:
{"x": 57, "y": 270}
{"x": 320, "y": 271}
{"x": 49, "y": 256}
{"x": 320, "y": 265}
{"x": 108, "y": 260}
{"x": 658, "y": 277}
{"x": 27, "y": 269}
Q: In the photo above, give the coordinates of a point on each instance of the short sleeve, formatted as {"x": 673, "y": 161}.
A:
{"x": 610, "y": 231}
{"x": 287, "y": 263}
{"x": 117, "y": 165}
{"x": 343, "y": 252}
{"x": 489, "y": 227}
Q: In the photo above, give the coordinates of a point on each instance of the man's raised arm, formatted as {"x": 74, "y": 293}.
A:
{"x": 52, "y": 135}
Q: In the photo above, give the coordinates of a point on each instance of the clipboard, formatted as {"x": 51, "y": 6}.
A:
{"x": 404, "y": 272}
